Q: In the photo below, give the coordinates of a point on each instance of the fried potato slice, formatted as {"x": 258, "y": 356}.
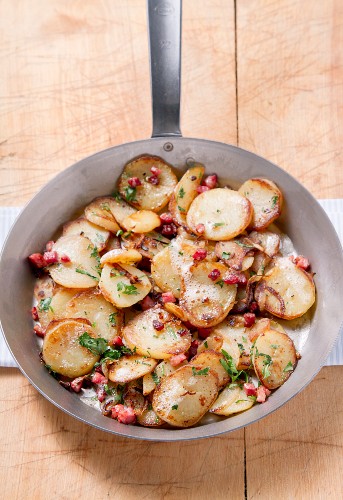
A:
{"x": 148, "y": 384}
{"x": 165, "y": 368}
{"x": 184, "y": 193}
{"x": 212, "y": 359}
{"x": 82, "y": 270}
{"x": 100, "y": 213}
{"x": 130, "y": 368}
{"x": 148, "y": 418}
{"x": 266, "y": 199}
{"x": 184, "y": 397}
{"x": 121, "y": 256}
{"x": 236, "y": 341}
{"x": 62, "y": 351}
{"x": 172, "y": 339}
{"x": 231, "y": 400}
{"x": 120, "y": 209}
{"x": 274, "y": 358}
{"x": 223, "y": 212}
{"x": 44, "y": 287}
{"x": 81, "y": 226}
{"x": 142, "y": 221}
{"x": 213, "y": 342}
{"x": 270, "y": 242}
{"x": 148, "y": 196}
{"x": 176, "y": 311}
{"x": 206, "y": 302}
{"x": 234, "y": 254}
{"x": 123, "y": 285}
{"x": 106, "y": 320}
{"x": 286, "y": 291}
{"x": 152, "y": 244}
{"x": 113, "y": 243}
{"x": 165, "y": 274}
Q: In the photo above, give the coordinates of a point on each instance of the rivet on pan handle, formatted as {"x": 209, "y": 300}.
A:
{"x": 165, "y": 65}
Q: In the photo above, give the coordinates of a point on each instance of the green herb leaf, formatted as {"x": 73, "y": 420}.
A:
{"x": 119, "y": 233}
{"x": 244, "y": 245}
{"x": 105, "y": 206}
{"x": 230, "y": 366}
{"x": 82, "y": 271}
{"x": 288, "y": 367}
{"x": 220, "y": 283}
{"x": 130, "y": 193}
{"x": 181, "y": 209}
{"x": 206, "y": 344}
{"x": 175, "y": 407}
{"x": 112, "y": 318}
{"x": 127, "y": 289}
{"x": 252, "y": 398}
{"x": 52, "y": 372}
{"x": 241, "y": 348}
{"x": 44, "y": 305}
{"x": 155, "y": 378}
{"x": 181, "y": 193}
{"x": 200, "y": 372}
{"x": 274, "y": 201}
{"x": 218, "y": 224}
{"x": 94, "y": 345}
{"x": 274, "y": 346}
{"x": 226, "y": 255}
{"x": 117, "y": 196}
{"x": 267, "y": 362}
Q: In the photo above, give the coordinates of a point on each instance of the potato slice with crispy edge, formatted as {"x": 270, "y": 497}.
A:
{"x": 83, "y": 269}
{"x": 206, "y": 302}
{"x": 62, "y": 352}
{"x": 121, "y": 256}
{"x": 184, "y": 193}
{"x": 234, "y": 254}
{"x": 140, "y": 333}
{"x": 165, "y": 368}
{"x": 270, "y": 242}
{"x": 266, "y": 199}
{"x": 44, "y": 287}
{"x": 120, "y": 209}
{"x": 176, "y": 310}
{"x": 232, "y": 400}
{"x": 98, "y": 235}
{"x": 148, "y": 418}
{"x": 100, "y": 213}
{"x": 106, "y": 320}
{"x": 142, "y": 221}
{"x": 236, "y": 341}
{"x": 148, "y": 196}
{"x": 113, "y": 243}
{"x": 148, "y": 384}
{"x": 212, "y": 359}
{"x": 286, "y": 291}
{"x": 152, "y": 244}
{"x": 130, "y": 368}
{"x": 165, "y": 274}
{"x": 115, "y": 284}
{"x": 274, "y": 358}
{"x": 223, "y": 212}
{"x": 213, "y": 342}
{"x": 183, "y": 398}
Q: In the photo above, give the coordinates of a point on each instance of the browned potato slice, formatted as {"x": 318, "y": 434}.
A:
{"x": 120, "y": 209}
{"x": 142, "y": 221}
{"x": 262, "y": 325}
{"x": 206, "y": 302}
{"x": 100, "y": 212}
{"x": 141, "y": 334}
{"x": 233, "y": 329}
{"x": 212, "y": 359}
{"x": 62, "y": 351}
{"x": 121, "y": 256}
{"x": 130, "y": 368}
{"x": 148, "y": 384}
{"x": 60, "y": 299}
{"x": 184, "y": 397}
{"x": 232, "y": 400}
{"x": 44, "y": 288}
{"x": 113, "y": 243}
{"x": 286, "y": 291}
{"x": 82, "y": 271}
{"x": 184, "y": 193}
{"x": 274, "y": 358}
{"x": 165, "y": 368}
{"x": 176, "y": 310}
{"x": 223, "y": 212}
{"x": 214, "y": 342}
{"x": 117, "y": 288}
{"x": 149, "y": 418}
{"x": 104, "y": 317}
{"x": 134, "y": 399}
{"x": 234, "y": 254}
{"x": 148, "y": 196}
{"x": 152, "y": 244}
{"x": 165, "y": 274}
{"x": 98, "y": 235}
{"x": 270, "y": 242}
{"x": 266, "y": 199}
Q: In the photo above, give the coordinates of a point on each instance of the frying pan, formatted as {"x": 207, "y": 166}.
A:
{"x": 303, "y": 220}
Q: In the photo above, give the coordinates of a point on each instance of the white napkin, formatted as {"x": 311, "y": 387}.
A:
{"x": 333, "y": 208}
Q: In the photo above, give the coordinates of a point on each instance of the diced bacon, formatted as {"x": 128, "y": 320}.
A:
{"x": 49, "y": 245}
{"x": 117, "y": 341}
{"x": 153, "y": 179}
{"x": 214, "y": 274}
{"x": 200, "y": 254}
{"x": 182, "y": 332}
{"x": 302, "y": 262}
{"x": 37, "y": 260}
{"x": 168, "y": 297}
{"x": 39, "y": 331}
{"x": 156, "y": 171}
{"x": 177, "y": 359}
{"x": 193, "y": 349}
{"x": 200, "y": 228}
{"x": 249, "y": 320}
{"x": 124, "y": 415}
{"x": 76, "y": 384}
{"x": 98, "y": 378}
{"x": 169, "y": 229}
{"x": 202, "y": 189}
{"x": 157, "y": 325}
{"x": 235, "y": 279}
{"x": 204, "y": 332}
{"x": 65, "y": 258}
{"x": 211, "y": 181}
{"x": 249, "y": 389}
{"x": 262, "y": 393}
{"x": 134, "y": 182}
{"x": 101, "y": 393}
{"x": 34, "y": 314}
{"x": 253, "y": 307}
{"x": 166, "y": 218}
{"x": 147, "y": 303}
{"x": 50, "y": 257}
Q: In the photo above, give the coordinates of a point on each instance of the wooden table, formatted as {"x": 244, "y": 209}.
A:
{"x": 263, "y": 74}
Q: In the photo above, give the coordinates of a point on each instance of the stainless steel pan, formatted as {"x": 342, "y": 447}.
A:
{"x": 303, "y": 219}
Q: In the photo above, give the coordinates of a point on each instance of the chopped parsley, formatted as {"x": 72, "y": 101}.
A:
{"x": 52, "y": 372}
{"x": 95, "y": 254}
{"x": 44, "y": 305}
{"x": 94, "y": 345}
{"x": 175, "y": 407}
{"x": 244, "y": 245}
{"x": 196, "y": 372}
{"x": 112, "y": 318}
{"x": 130, "y": 193}
{"x": 230, "y": 366}
{"x": 218, "y": 224}
{"x": 274, "y": 201}
{"x": 155, "y": 378}
{"x": 288, "y": 367}
{"x": 206, "y": 344}
{"x": 226, "y": 255}
{"x": 105, "y": 206}
{"x": 181, "y": 193}
{"x": 267, "y": 362}
{"x": 119, "y": 233}
{"x": 117, "y": 196}
{"x": 241, "y": 348}
{"x": 220, "y": 283}
{"x": 181, "y": 209}
{"x": 274, "y": 346}
{"x": 181, "y": 253}
{"x": 82, "y": 271}
{"x": 127, "y": 289}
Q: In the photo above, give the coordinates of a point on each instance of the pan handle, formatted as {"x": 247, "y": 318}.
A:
{"x": 165, "y": 65}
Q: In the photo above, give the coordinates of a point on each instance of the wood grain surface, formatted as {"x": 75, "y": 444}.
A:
{"x": 75, "y": 80}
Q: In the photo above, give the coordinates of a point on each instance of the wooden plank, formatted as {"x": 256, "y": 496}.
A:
{"x": 290, "y": 88}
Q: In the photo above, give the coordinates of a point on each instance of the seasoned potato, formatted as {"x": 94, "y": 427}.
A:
{"x": 62, "y": 351}
{"x": 235, "y": 335}
{"x": 82, "y": 271}
{"x": 148, "y": 418}
{"x": 270, "y": 242}
{"x": 98, "y": 235}
{"x": 44, "y": 288}
{"x": 148, "y": 384}
{"x": 184, "y": 397}
{"x": 213, "y": 342}
{"x": 113, "y": 243}
{"x": 142, "y": 221}
{"x": 148, "y": 196}
{"x": 130, "y": 368}
{"x": 165, "y": 368}
{"x": 176, "y": 310}
{"x": 223, "y": 212}
{"x": 212, "y": 359}
{"x": 266, "y": 199}
{"x": 206, "y": 302}
{"x": 59, "y": 301}
{"x": 100, "y": 212}
{"x": 286, "y": 291}
{"x": 104, "y": 317}
{"x": 165, "y": 273}
{"x": 231, "y": 400}
{"x": 184, "y": 193}
{"x": 115, "y": 284}
{"x": 120, "y": 209}
{"x": 152, "y": 244}
{"x": 274, "y": 358}
{"x": 121, "y": 256}
{"x": 234, "y": 254}
{"x": 141, "y": 333}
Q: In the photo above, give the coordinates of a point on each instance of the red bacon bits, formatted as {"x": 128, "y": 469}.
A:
{"x": 37, "y": 260}
{"x": 302, "y": 262}
{"x": 147, "y": 303}
{"x": 153, "y": 179}
{"x": 168, "y": 297}
{"x": 166, "y": 218}
{"x": 211, "y": 181}
{"x": 262, "y": 393}
{"x": 101, "y": 393}
{"x": 76, "y": 384}
{"x": 200, "y": 228}
{"x": 169, "y": 230}
{"x": 202, "y": 189}
{"x": 214, "y": 274}
{"x": 50, "y": 257}
{"x": 124, "y": 415}
{"x": 39, "y": 331}
{"x": 156, "y": 171}
{"x": 177, "y": 359}
{"x": 200, "y": 254}
{"x": 98, "y": 378}
{"x": 235, "y": 279}
{"x": 34, "y": 314}
{"x": 49, "y": 245}
{"x": 64, "y": 258}
{"x": 193, "y": 349}
{"x": 182, "y": 332}
{"x": 117, "y": 341}
{"x": 157, "y": 325}
{"x": 253, "y": 307}
{"x": 249, "y": 320}
{"x": 134, "y": 182}
{"x": 204, "y": 332}
{"x": 249, "y": 389}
